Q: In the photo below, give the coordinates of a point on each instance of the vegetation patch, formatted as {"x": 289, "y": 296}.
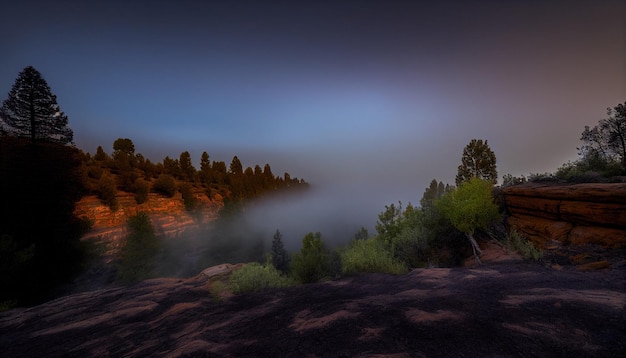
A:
{"x": 255, "y": 277}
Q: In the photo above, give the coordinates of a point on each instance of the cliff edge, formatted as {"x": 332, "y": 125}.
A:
{"x": 579, "y": 214}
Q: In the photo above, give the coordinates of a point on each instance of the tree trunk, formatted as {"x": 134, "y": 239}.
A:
{"x": 475, "y": 248}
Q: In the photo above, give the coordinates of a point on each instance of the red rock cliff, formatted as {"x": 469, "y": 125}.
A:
{"x": 577, "y": 214}
{"x": 168, "y": 215}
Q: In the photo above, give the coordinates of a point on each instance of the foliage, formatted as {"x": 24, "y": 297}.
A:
{"x": 107, "y": 191}
{"x": 433, "y": 192}
{"x": 255, "y": 277}
{"x": 606, "y": 142}
{"x": 470, "y": 206}
{"x": 141, "y": 190}
{"x": 280, "y": 257}
{"x": 389, "y": 222}
{"x": 31, "y": 110}
{"x": 515, "y": 241}
{"x": 478, "y": 161}
{"x": 370, "y": 255}
{"x": 137, "y": 257}
{"x": 187, "y": 170}
{"x": 190, "y": 201}
{"x": 312, "y": 263}
{"x": 510, "y": 180}
{"x": 362, "y": 234}
{"x": 165, "y": 185}
{"x": 216, "y": 290}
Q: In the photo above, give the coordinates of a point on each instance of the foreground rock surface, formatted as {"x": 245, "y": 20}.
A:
{"x": 504, "y": 309}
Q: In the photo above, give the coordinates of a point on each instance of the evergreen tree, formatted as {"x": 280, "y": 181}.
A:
{"x": 235, "y": 166}
{"x": 478, "y": 161}
{"x": 280, "y": 257}
{"x": 31, "y": 110}
{"x": 186, "y": 168}
{"x": 432, "y": 193}
{"x": 205, "y": 168}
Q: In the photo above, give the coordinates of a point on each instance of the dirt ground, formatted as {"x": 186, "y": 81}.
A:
{"x": 505, "y": 308}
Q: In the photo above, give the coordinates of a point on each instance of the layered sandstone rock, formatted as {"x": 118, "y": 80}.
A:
{"x": 168, "y": 215}
{"x": 577, "y": 214}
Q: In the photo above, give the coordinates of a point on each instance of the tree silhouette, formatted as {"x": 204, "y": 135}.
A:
{"x": 31, "y": 110}
{"x": 607, "y": 140}
{"x": 478, "y": 161}
{"x": 280, "y": 257}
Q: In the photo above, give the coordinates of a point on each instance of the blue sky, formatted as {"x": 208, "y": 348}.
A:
{"x": 377, "y": 96}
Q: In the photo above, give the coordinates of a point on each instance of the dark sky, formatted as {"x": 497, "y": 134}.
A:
{"x": 371, "y": 98}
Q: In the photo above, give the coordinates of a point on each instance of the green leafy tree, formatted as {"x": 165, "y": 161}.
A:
{"x": 469, "y": 208}
{"x": 312, "y": 263}
{"x": 387, "y": 225}
{"x": 31, "y": 110}
{"x": 280, "y": 257}
{"x": 478, "y": 161}
{"x": 607, "y": 140}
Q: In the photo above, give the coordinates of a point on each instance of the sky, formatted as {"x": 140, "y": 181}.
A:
{"x": 366, "y": 100}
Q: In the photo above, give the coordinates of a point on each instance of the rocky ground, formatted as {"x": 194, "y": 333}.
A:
{"x": 504, "y": 308}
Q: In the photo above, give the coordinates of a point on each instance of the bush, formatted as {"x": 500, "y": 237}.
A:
{"x": 517, "y": 242}
{"x": 165, "y": 185}
{"x": 189, "y": 199}
{"x": 370, "y": 255}
{"x": 141, "y": 190}
{"x": 107, "y": 191}
{"x": 412, "y": 246}
{"x": 312, "y": 263}
{"x": 255, "y": 277}
{"x": 138, "y": 256}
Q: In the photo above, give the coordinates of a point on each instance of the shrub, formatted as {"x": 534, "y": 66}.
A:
{"x": 107, "y": 191}
{"x": 312, "y": 263}
{"x": 189, "y": 199}
{"x": 137, "y": 257}
{"x": 411, "y": 246}
{"x": 255, "y": 277}
{"x": 370, "y": 255}
{"x": 517, "y": 242}
{"x": 165, "y": 184}
{"x": 141, "y": 190}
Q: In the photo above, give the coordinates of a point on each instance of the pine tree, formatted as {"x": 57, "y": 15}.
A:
{"x": 478, "y": 161}
{"x": 31, "y": 110}
{"x": 280, "y": 258}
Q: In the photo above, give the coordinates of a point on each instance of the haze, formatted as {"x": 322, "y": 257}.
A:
{"x": 366, "y": 100}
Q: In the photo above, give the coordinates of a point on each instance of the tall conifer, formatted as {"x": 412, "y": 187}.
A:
{"x": 31, "y": 110}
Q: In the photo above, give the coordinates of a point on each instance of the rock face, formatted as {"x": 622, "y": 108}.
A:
{"x": 593, "y": 213}
{"x": 505, "y": 310}
{"x": 168, "y": 215}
